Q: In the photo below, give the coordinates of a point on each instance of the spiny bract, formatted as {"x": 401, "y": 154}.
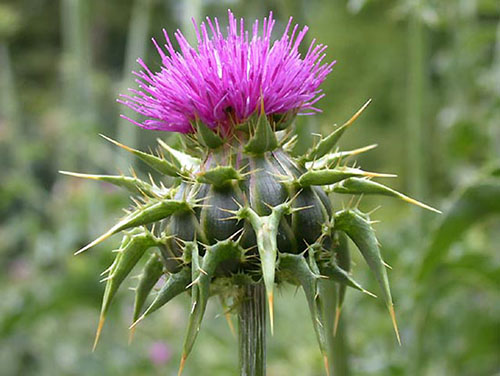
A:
{"x": 234, "y": 207}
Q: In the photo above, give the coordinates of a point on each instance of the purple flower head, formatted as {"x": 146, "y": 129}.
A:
{"x": 225, "y": 79}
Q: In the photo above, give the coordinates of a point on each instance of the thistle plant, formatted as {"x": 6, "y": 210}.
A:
{"x": 232, "y": 213}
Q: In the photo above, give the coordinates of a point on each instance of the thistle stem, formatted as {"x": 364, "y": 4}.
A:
{"x": 340, "y": 352}
{"x": 252, "y": 331}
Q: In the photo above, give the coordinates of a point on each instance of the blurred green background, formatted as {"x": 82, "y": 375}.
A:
{"x": 433, "y": 70}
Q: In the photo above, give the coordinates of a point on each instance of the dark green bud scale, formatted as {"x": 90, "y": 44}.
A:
{"x": 239, "y": 209}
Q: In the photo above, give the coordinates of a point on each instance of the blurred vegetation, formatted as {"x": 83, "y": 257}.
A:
{"x": 433, "y": 70}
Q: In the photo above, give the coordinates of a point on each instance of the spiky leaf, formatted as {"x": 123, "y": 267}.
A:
{"x": 328, "y": 143}
{"x": 159, "y": 164}
{"x": 331, "y": 176}
{"x": 151, "y": 273}
{"x": 203, "y": 271}
{"x": 153, "y": 211}
{"x": 207, "y": 136}
{"x": 364, "y": 186}
{"x": 362, "y": 234}
{"x": 295, "y": 267}
{"x": 133, "y": 247}
{"x": 266, "y": 229}
{"x": 131, "y": 183}
{"x": 175, "y": 285}
{"x": 264, "y": 138}
{"x": 343, "y": 258}
{"x": 334, "y": 158}
{"x": 180, "y": 159}
{"x": 339, "y": 275}
{"x": 219, "y": 175}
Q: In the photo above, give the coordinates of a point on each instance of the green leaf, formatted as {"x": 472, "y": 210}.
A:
{"x": 337, "y": 274}
{"x": 148, "y": 213}
{"x": 207, "y": 137}
{"x": 343, "y": 257}
{"x": 218, "y": 176}
{"x": 328, "y": 143}
{"x": 176, "y": 284}
{"x": 364, "y": 186}
{"x": 180, "y": 159}
{"x": 331, "y": 176}
{"x": 130, "y": 252}
{"x": 159, "y": 164}
{"x": 151, "y": 273}
{"x": 295, "y": 267}
{"x": 476, "y": 269}
{"x": 332, "y": 159}
{"x": 471, "y": 205}
{"x": 266, "y": 230}
{"x": 264, "y": 138}
{"x": 131, "y": 183}
{"x": 362, "y": 234}
{"x": 202, "y": 274}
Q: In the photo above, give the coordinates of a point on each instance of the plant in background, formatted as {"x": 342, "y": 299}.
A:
{"x": 233, "y": 213}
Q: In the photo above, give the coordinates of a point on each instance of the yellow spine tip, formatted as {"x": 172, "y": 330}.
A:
{"x": 338, "y": 311}
{"x": 369, "y": 293}
{"x": 380, "y": 175}
{"x": 98, "y": 332}
{"x": 116, "y": 143}
{"x": 95, "y": 242}
{"x": 271, "y": 311}
{"x": 181, "y": 366}
{"x": 134, "y": 324}
{"x": 394, "y": 323}
{"x": 422, "y": 205}
{"x": 356, "y": 115}
{"x": 327, "y": 366}
{"x": 230, "y": 324}
{"x": 131, "y": 335}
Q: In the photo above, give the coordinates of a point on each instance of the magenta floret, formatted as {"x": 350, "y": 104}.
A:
{"x": 224, "y": 79}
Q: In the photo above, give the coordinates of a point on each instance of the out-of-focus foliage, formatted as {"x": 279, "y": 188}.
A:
{"x": 433, "y": 71}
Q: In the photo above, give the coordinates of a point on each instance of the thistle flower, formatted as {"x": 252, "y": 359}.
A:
{"x": 234, "y": 213}
{"x": 223, "y": 81}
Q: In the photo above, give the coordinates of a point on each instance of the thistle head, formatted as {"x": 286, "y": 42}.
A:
{"x": 229, "y": 76}
{"x": 229, "y": 217}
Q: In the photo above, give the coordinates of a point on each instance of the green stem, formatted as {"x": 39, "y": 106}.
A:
{"x": 340, "y": 352}
{"x": 338, "y": 349}
{"x": 252, "y": 331}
